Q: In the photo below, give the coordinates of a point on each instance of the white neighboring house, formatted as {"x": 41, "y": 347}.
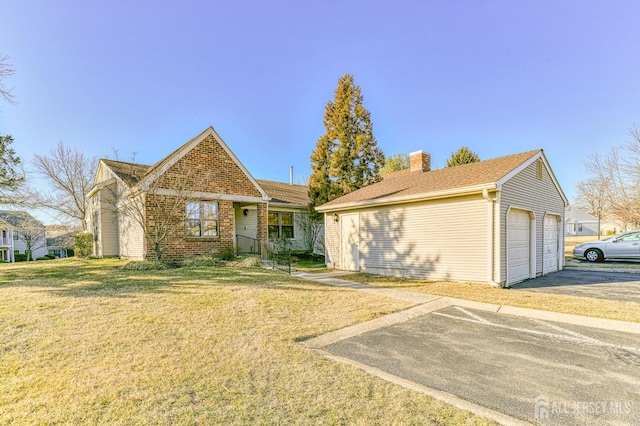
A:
{"x": 578, "y": 222}
{"x": 28, "y": 233}
{"x": 6, "y": 242}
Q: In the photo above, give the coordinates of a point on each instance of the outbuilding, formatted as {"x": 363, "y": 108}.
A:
{"x": 497, "y": 221}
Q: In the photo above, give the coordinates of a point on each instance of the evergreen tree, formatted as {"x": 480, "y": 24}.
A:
{"x": 462, "y": 156}
{"x": 11, "y": 176}
{"x": 394, "y": 163}
{"x": 347, "y": 156}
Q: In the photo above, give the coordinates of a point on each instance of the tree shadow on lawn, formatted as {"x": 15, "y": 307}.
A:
{"x": 111, "y": 281}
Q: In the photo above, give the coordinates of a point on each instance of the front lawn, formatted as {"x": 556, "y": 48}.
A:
{"x": 85, "y": 342}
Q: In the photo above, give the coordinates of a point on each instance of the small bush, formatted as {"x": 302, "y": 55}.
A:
{"x": 21, "y": 257}
{"x": 200, "y": 261}
{"x": 43, "y": 258}
{"x": 227, "y": 253}
{"x": 83, "y": 245}
{"x": 250, "y": 262}
{"x": 144, "y": 266}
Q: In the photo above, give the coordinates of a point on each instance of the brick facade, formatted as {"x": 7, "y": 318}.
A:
{"x": 206, "y": 168}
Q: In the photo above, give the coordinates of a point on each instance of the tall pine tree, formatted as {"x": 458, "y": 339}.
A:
{"x": 462, "y": 156}
{"x": 347, "y": 156}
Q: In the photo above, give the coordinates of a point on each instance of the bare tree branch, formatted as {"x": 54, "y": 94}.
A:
{"x": 69, "y": 174}
{"x": 6, "y": 70}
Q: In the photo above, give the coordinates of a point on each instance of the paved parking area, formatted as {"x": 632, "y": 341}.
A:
{"x": 529, "y": 369}
{"x": 620, "y": 286}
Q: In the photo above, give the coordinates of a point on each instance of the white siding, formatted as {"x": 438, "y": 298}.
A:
{"x": 525, "y": 191}
{"x": 332, "y": 241}
{"x": 131, "y": 234}
{"x": 443, "y": 239}
{"x": 108, "y": 221}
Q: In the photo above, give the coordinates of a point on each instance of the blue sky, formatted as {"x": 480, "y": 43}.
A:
{"x": 500, "y": 77}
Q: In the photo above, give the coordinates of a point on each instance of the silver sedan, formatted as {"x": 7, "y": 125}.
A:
{"x": 623, "y": 246}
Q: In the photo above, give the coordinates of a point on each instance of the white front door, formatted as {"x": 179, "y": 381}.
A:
{"x": 550, "y": 257}
{"x": 350, "y": 242}
{"x": 518, "y": 243}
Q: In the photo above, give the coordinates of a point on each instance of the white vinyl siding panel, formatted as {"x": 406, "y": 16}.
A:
{"x": 108, "y": 221}
{"x": 332, "y": 241}
{"x": 131, "y": 234}
{"x": 443, "y": 239}
{"x": 540, "y": 196}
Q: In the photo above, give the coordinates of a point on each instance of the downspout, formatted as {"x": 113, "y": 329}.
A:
{"x": 491, "y": 239}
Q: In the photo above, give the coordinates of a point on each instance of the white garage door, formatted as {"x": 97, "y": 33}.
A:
{"x": 550, "y": 259}
{"x": 518, "y": 244}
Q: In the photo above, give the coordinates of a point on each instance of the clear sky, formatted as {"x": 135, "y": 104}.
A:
{"x": 500, "y": 77}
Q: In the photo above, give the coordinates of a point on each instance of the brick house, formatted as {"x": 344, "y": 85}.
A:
{"x": 198, "y": 201}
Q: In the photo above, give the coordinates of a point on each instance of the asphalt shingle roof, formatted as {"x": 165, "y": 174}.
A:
{"x": 467, "y": 175}
{"x": 281, "y": 192}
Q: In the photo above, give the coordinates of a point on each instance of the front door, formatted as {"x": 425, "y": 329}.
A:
{"x": 350, "y": 238}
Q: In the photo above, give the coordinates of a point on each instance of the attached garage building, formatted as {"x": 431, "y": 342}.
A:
{"x": 498, "y": 221}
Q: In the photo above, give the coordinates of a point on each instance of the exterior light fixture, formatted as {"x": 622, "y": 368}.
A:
{"x": 335, "y": 217}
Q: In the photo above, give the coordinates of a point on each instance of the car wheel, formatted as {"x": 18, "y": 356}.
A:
{"x": 593, "y": 255}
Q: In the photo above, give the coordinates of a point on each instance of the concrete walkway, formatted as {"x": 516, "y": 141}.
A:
{"x": 428, "y": 303}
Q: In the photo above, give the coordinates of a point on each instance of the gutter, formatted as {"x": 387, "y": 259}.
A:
{"x": 491, "y": 239}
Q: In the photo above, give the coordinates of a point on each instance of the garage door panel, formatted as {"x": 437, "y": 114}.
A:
{"x": 518, "y": 243}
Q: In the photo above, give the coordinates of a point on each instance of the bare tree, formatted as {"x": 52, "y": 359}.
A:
{"x": 593, "y": 197}
{"x": 613, "y": 184}
{"x": 69, "y": 174}
{"x": 311, "y": 227}
{"x": 160, "y": 212}
{"x": 6, "y": 70}
{"x": 29, "y": 230}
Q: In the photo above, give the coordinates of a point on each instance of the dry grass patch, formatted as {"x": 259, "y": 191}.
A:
{"x": 87, "y": 342}
{"x": 623, "y": 311}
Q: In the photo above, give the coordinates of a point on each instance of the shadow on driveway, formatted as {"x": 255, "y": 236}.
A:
{"x": 620, "y": 286}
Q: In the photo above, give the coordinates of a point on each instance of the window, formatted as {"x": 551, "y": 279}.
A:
{"x": 202, "y": 219}
{"x": 15, "y": 235}
{"x": 281, "y": 225}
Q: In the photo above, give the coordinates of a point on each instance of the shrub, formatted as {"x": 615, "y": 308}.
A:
{"x": 145, "y": 265}
{"x": 84, "y": 245}
{"x": 43, "y": 258}
{"x": 228, "y": 253}
{"x": 200, "y": 261}
{"x": 21, "y": 257}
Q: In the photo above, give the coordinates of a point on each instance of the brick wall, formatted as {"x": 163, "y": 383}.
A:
{"x": 206, "y": 168}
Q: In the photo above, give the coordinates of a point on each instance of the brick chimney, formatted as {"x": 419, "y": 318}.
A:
{"x": 419, "y": 161}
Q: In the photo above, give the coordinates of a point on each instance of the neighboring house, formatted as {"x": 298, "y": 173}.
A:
{"x": 578, "y": 222}
{"x": 497, "y": 221}
{"x": 6, "y": 242}
{"x": 60, "y": 240}
{"x": 200, "y": 196}
{"x": 28, "y": 233}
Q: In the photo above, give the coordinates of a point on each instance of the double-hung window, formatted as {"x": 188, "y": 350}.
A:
{"x": 202, "y": 219}
{"x": 281, "y": 225}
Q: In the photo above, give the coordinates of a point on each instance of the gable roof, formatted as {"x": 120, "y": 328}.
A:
{"x": 130, "y": 173}
{"x": 133, "y": 174}
{"x": 488, "y": 174}
{"x": 18, "y": 218}
{"x": 281, "y": 192}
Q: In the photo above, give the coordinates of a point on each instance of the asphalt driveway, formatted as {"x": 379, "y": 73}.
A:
{"x": 537, "y": 371}
{"x": 620, "y": 286}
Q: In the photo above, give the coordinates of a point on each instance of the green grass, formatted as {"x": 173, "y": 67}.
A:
{"x": 87, "y": 342}
{"x": 623, "y": 311}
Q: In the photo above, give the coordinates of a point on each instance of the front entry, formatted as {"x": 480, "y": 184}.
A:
{"x": 350, "y": 242}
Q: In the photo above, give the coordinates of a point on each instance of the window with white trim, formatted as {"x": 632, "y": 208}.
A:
{"x": 281, "y": 225}
{"x": 202, "y": 219}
